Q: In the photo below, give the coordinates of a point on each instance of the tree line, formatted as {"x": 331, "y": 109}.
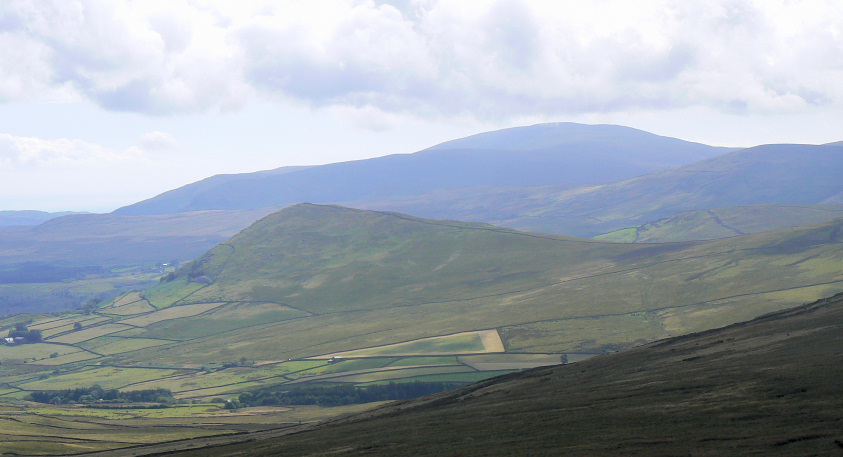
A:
{"x": 343, "y": 395}
{"x": 96, "y": 393}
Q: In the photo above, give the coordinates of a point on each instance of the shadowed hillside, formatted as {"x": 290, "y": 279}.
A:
{"x": 766, "y": 387}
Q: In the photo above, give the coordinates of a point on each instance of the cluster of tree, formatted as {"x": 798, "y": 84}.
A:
{"x": 29, "y": 336}
{"x": 343, "y": 395}
{"x": 96, "y": 393}
{"x": 195, "y": 272}
{"x": 91, "y": 305}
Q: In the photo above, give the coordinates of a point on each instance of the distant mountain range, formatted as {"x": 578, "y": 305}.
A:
{"x": 770, "y": 174}
{"x": 12, "y": 218}
{"x": 111, "y": 240}
{"x": 564, "y": 154}
{"x": 571, "y": 179}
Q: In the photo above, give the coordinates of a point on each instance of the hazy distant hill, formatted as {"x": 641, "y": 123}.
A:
{"x": 109, "y": 240}
{"x": 765, "y": 387}
{"x": 9, "y": 218}
{"x": 562, "y": 154}
{"x": 782, "y": 174}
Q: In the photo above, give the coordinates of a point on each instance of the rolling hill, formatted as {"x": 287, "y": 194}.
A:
{"x": 562, "y": 154}
{"x": 765, "y": 387}
{"x": 368, "y": 279}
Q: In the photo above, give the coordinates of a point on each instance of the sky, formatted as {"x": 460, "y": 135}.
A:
{"x": 107, "y": 102}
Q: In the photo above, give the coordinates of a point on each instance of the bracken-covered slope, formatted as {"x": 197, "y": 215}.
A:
{"x": 562, "y": 154}
{"x": 766, "y": 387}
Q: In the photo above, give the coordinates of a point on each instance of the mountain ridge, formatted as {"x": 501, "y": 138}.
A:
{"x": 551, "y": 159}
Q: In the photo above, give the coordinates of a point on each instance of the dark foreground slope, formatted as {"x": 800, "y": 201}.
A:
{"x": 562, "y": 154}
{"x": 770, "y": 386}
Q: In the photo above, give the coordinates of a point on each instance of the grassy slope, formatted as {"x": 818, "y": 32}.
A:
{"x": 766, "y": 387}
{"x": 724, "y": 222}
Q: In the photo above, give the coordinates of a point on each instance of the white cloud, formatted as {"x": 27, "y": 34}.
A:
{"x": 490, "y": 59}
{"x": 156, "y": 141}
{"x": 25, "y": 153}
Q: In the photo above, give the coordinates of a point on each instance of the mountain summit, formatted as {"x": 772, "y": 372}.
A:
{"x": 562, "y": 154}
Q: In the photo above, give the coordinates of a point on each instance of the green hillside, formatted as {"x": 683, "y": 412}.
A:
{"x": 367, "y": 279}
{"x": 724, "y": 222}
{"x": 766, "y": 387}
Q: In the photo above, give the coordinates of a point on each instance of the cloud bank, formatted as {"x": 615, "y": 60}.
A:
{"x": 427, "y": 58}
{"x": 29, "y": 153}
